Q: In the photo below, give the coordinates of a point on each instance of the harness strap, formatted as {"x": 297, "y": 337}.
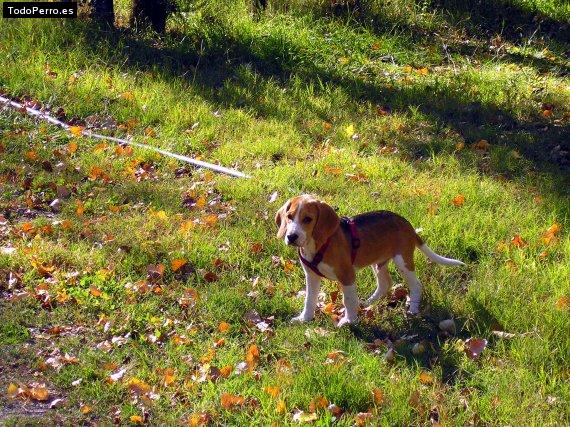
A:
{"x": 316, "y": 259}
{"x": 354, "y": 239}
{"x": 354, "y": 245}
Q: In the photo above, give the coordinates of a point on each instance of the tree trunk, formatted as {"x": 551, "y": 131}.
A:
{"x": 150, "y": 12}
{"x": 102, "y": 11}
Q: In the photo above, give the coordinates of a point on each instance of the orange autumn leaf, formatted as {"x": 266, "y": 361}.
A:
{"x": 319, "y": 402}
{"x": 99, "y": 148}
{"x": 426, "y": 378}
{"x": 333, "y": 170}
{"x": 272, "y": 390}
{"x": 562, "y": 303}
{"x": 31, "y": 155}
{"x": 168, "y": 376}
{"x": 128, "y": 96}
{"x": 252, "y": 355}
{"x": 75, "y": 131}
{"x": 85, "y": 409}
{"x": 95, "y": 172}
{"x": 224, "y": 327}
{"x": 136, "y": 419}
{"x": 121, "y": 150}
{"x": 72, "y": 147}
{"x": 554, "y": 229}
{"x": 66, "y": 224}
{"x": 458, "y": 200}
{"x": 27, "y": 227}
{"x": 210, "y": 220}
{"x": 281, "y": 407}
{"x": 482, "y": 145}
{"x": 138, "y": 386}
{"x": 79, "y": 208}
{"x": 226, "y": 371}
{"x": 256, "y": 248}
{"x": 93, "y": 290}
{"x": 328, "y": 308}
{"x": 229, "y": 401}
{"x": 178, "y": 263}
{"x": 148, "y": 131}
{"x": 378, "y": 396}
{"x": 187, "y": 226}
{"x": 39, "y": 393}
{"x": 518, "y": 242}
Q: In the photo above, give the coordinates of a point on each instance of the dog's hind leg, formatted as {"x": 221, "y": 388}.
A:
{"x": 407, "y": 270}
{"x": 383, "y": 282}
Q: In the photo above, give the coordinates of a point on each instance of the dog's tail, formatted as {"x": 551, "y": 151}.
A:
{"x": 435, "y": 257}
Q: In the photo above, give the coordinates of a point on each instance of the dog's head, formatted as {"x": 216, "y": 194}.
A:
{"x": 303, "y": 219}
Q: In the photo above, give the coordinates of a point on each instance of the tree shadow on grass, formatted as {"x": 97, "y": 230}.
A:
{"x": 207, "y": 68}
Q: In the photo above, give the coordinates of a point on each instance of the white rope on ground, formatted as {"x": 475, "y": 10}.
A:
{"x": 88, "y": 133}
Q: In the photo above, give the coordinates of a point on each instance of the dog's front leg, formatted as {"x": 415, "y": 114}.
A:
{"x": 313, "y": 286}
{"x": 351, "y": 303}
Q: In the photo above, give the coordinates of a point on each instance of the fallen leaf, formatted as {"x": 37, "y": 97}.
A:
{"x": 378, "y": 396}
{"x": 113, "y": 378}
{"x": 482, "y": 145}
{"x": 474, "y": 347}
{"x": 319, "y": 402}
{"x": 518, "y": 242}
{"x": 229, "y": 401}
{"x": 272, "y": 390}
{"x": 304, "y": 417}
{"x": 168, "y": 376}
{"x": 458, "y": 200}
{"x": 333, "y": 170}
{"x": 129, "y": 96}
{"x": 12, "y": 390}
{"x": 75, "y": 131}
{"x": 39, "y": 393}
{"x": 562, "y": 303}
{"x": 176, "y": 264}
{"x": 210, "y": 277}
{"x": 79, "y": 208}
{"x": 136, "y": 419}
{"x": 226, "y": 371}
{"x": 93, "y": 290}
{"x": 426, "y": 378}
{"x": 281, "y": 407}
{"x": 224, "y": 327}
{"x": 362, "y": 418}
{"x": 72, "y": 147}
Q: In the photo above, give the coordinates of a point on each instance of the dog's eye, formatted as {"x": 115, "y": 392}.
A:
{"x": 307, "y": 219}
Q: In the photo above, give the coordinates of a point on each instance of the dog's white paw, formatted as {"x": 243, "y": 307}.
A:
{"x": 301, "y": 318}
{"x": 346, "y": 321}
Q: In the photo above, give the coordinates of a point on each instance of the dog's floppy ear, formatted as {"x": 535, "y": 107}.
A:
{"x": 327, "y": 223}
{"x": 280, "y": 219}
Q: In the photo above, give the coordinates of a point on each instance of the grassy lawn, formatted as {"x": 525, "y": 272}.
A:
{"x": 153, "y": 292}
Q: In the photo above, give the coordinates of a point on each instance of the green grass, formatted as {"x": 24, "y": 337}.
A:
{"x": 273, "y": 95}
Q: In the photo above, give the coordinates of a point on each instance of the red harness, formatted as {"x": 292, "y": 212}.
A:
{"x": 354, "y": 245}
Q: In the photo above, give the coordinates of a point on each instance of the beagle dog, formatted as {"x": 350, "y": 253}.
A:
{"x": 335, "y": 248}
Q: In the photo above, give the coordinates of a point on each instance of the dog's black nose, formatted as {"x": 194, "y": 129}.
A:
{"x": 292, "y": 237}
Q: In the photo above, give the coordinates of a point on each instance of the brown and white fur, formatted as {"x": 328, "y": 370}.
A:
{"x": 307, "y": 223}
